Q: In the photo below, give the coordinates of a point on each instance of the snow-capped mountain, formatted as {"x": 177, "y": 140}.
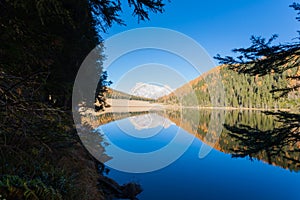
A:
{"x": 150, "y": 90}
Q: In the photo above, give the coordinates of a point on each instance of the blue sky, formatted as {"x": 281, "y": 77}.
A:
{"x": 217, "y": 25}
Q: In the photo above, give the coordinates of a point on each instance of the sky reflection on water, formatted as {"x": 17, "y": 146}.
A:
{"x": 217, "y": 176}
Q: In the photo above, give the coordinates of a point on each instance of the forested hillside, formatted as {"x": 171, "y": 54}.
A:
{"x": 115, "y": 94}
{"x": 241, "y": 90}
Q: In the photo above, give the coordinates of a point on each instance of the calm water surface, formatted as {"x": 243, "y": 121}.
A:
{"x": 244, "y": 164}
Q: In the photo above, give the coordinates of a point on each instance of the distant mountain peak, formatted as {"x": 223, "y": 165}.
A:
{"x": 150, "y": 90}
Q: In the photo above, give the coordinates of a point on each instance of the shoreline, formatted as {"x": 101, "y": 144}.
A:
{"x": 124, "y": 105}
{"x": 225, "y": 108}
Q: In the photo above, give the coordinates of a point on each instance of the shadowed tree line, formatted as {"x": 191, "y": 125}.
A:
{"x": 263, "y": 58}
{"x": 43, "y": 44}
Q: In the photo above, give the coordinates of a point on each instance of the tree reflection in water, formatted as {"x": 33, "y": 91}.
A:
{"x": 257, "y": 135}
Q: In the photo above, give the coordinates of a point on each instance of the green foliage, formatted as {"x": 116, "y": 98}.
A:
{"x": 244, "y": 90}
{"x": 34, "y": 152}
{"x": 14, "y": 187}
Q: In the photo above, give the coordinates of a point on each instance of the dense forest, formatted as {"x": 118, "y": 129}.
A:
{"x": 43, "y": 44}
{"x": 241, "y": 90}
